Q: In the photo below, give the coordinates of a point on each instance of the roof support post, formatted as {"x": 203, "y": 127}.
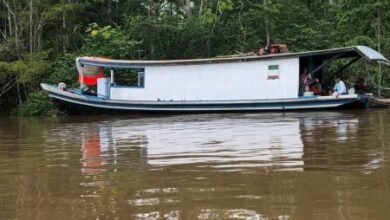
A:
{"x": 81, "y": 77}
{"x": 111, "y": 76}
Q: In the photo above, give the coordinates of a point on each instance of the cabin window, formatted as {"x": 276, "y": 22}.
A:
{"x": 273, "y": 72}
{"x": 129, "y": 77}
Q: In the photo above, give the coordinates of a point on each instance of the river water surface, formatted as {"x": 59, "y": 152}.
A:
{"x": 321, "y": 165}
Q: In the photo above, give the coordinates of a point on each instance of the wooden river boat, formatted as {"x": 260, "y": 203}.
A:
{"x": 243, "y": 83}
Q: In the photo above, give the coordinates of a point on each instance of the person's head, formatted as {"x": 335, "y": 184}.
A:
{"x": 337, "y": 78}
{"x": 305, "y": 71}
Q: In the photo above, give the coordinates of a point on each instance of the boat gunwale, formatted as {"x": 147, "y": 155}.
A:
{"x": 89, "y": 98}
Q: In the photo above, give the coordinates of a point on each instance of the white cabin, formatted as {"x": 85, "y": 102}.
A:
{"x": 271, "y": 79}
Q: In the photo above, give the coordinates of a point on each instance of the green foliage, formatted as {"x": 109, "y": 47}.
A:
{"x": 63, "y": 69}
{"x": 7, "y": 50}
{"x": 32, "y": 67}
{"x": 225, "y": 5}
{"x": 37, "y": 103}
{"x": 144, "y": 29}
{"x": 109, "y": 42}
{"x": 208, "y": 17}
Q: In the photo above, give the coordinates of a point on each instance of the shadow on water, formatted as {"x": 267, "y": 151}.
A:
{"x": 321, "y": 165}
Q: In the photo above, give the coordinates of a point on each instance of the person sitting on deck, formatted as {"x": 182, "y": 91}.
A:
{"x": 339, "y": 88}
{"x": 88, "y": 90}
{"x": 315, "y": 87}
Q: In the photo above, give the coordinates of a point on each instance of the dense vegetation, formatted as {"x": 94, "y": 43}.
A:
{"x": 39, "y": 39}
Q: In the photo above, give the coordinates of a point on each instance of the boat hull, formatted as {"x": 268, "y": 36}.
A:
{"x": 78, "y": 103}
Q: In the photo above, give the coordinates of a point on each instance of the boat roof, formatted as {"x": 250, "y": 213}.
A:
{"x": 365, "y": 52}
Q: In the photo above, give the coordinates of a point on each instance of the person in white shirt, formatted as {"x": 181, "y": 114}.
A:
{"x": 339, "y": 88}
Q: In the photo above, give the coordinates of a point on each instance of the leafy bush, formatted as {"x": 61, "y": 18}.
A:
{"x": 109, "y": 42}
{"x": 63, "y": 69}
{"x": 37, "y": 103}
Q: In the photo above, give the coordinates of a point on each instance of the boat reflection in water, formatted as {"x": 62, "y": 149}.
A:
{"x": 292, "y": 143}
{"x": 336, "y": 136}
{"x": 95, "y": 142}
{"x": 177, "y": 165}
{"x": 223, "y": 143}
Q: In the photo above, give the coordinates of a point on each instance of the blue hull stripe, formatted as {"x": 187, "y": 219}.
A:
{"x": 283, "y": 105}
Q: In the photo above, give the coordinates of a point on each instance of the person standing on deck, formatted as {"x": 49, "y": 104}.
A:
{"x": 304, "y": 81}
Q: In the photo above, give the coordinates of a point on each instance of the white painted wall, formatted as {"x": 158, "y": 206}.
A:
{"x": 220, "y": 81}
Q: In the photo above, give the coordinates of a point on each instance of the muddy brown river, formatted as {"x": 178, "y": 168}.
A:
{"x": 282, "y": 166}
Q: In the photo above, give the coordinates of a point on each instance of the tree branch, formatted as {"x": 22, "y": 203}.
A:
{"x": 8, "y": 86}
{"x": 8, "y": 8}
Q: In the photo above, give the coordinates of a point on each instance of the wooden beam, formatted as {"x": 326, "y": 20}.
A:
{"x": 347, "y": 65}
{"x": 316, "y": 70}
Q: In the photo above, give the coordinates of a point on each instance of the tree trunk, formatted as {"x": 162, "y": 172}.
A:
{"x": 31, "y": 25}
{"x": 152, "y": 9}
{"x": 267, "y": 34}
{"x": 378, "y": 32}
{"x": 109, "y": 9}
{"x": 65, "y": 35}
{"x": 5, "y": 23}
{"x": 16, "y": 35}
{"x": 39, "y": 40}
{"x": 38, "y": 35}
{"x": 9, "y": 18}
{"x": 152, "y": 16}
{"x": 188, "y": 8}
{"x": 25, "y": 91}
{"x": 200, "y": 8}
{"x": 18, "y": 92}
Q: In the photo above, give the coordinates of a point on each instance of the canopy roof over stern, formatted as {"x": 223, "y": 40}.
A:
{"x": 367, "y": 53}
{"x": 372, "y": 55}
{"x": 364, "y": 52}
